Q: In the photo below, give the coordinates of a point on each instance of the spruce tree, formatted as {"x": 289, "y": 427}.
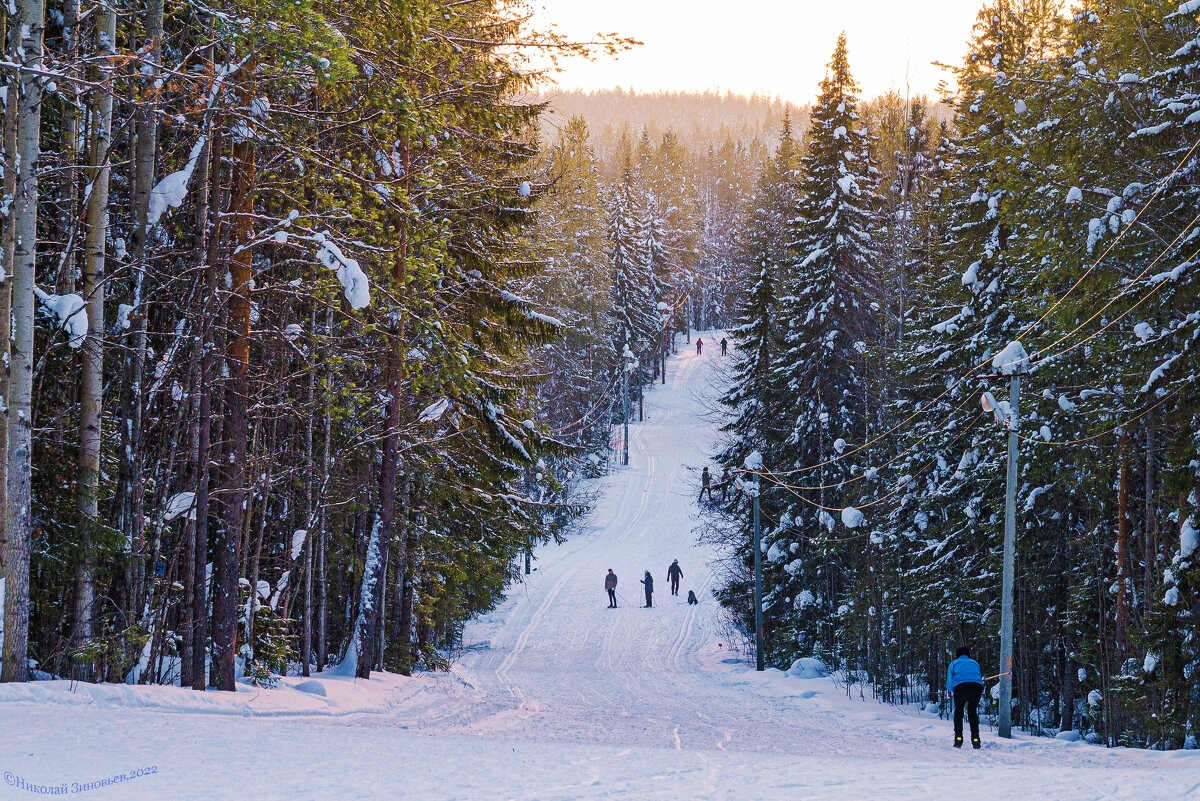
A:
{"x": 635, "y": 321}
{"x": 822, "y": 369}
{"x": 757, "y": 336}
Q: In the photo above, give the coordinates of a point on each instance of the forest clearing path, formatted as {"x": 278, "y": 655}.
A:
{"x": 557, "y": 697}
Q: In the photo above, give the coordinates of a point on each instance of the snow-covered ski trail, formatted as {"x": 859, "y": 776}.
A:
{"x": 557, "y": 697}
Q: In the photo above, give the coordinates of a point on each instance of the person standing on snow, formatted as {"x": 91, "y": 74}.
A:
{"x": 649, "y": 582}
{"x": 724, "y": 346}
{"x": 726, "y": 480}
{"x": 674, "y": 574}
{"x": 699, "y": 345}
{"x": 705, "y": 485}
{"x": 964, "y": 680}
{"x": 610, "y": 584}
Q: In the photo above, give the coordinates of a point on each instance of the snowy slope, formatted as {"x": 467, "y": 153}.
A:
{"x": 558, "y": 697}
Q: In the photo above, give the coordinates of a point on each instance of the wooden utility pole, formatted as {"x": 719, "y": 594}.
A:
{"x": 1004, "y": 725}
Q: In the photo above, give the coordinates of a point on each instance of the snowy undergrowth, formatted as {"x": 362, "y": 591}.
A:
{"x": 294, "y": 696}
{"x": 812, "y": 694}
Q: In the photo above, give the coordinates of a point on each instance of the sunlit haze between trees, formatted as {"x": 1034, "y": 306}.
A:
{"x": 773, "y": 47}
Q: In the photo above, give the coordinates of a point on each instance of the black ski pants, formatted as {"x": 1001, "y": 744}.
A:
{"x": 966, "y": 696}
{"x": 674, "y": 586}
{"x": 649, "y": 598}
{"x": 612, "y": 597}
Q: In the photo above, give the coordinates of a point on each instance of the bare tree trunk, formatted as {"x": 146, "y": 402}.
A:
{"x": 1150, "y": 525}
{"x": 404, "y": 636}
{"x": 8, "y": 243}
{"x": 20, "y": 446}
{"x": 374, "y": 578}
{"x": 187, "y": 545}
{"x": 323, "y": 579}
{"x": 195, "y": 619}
{"x": 255, "y": 563}
{"x": 399, "y": 635}
{"x": 68, "y": 204}
{"x": 1066, "y": 718}
{"x": 309, "y": 545}
{"x": 131, "y": 483}
{"x": 91, "y": 381}
{"x": 1122, "y": 606}
{"x": 208, "y": 238}
{"x": 225, "y": 567}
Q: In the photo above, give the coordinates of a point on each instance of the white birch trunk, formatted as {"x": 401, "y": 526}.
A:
{"x": 91, "y": 380}
{"x": 29, "y": 15}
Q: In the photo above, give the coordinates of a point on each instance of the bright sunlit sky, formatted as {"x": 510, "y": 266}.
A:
{"x": 775, "y": 47}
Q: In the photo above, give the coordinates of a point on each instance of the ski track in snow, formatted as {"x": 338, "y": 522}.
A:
{"x": 556, "y": 696}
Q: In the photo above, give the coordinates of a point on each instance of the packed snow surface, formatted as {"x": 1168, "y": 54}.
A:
{"x": 555, "y": 697}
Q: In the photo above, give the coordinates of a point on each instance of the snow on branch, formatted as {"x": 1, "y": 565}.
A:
{"x": 170, "y": 192}
{"x": 528, "y": 312}
{"x": 71, "y": 311}
{"x": 354, "y": 280}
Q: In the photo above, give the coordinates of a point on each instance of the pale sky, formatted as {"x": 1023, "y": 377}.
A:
{"x": 774, "y": 47}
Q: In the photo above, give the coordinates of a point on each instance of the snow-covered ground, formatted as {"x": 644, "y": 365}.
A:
{"x": 559, "y": 697}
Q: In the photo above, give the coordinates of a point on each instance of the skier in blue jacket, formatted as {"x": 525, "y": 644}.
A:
{"x": 964, "y": 680}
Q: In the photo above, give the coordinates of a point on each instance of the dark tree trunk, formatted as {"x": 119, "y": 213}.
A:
{"x": 233, "y": 519}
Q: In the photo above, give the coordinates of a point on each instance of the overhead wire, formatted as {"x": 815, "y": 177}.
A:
{"x": 1125, "y": 291}
{"x": 967, "y": 399}
{"x": 1118, "y": 427}
{"x": 951, "y": 387}
{"x": 899, "y": 486}
{"x": 1154, "y": 196}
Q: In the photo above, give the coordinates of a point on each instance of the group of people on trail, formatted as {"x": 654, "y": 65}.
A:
{"x": 674, "y": 574}
{"x": 706, "y": 485}
{"x": 700, "y": 346}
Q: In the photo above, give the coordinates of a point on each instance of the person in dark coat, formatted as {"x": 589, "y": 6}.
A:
{"x": 705, "y": 485}
{"x": 674, "y": 574}
{"x": 610, "y": 584}
{"x": 692, "y": 597}
{"x": 964, "y": 680}
{"x": 724, "y": 346}
{"x": 649, "y": 582}
{"x": 699, "y": 346}
{"x": 726, "y": 480}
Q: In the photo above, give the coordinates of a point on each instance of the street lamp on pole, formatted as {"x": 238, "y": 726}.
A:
{"x": 628, "y": 365}
{"x": 753, "y": 464}
{"x": 664, "y": 311}
{"x": 1011, "y": 363}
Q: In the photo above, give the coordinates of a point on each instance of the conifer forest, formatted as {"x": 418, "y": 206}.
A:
{"x": 321, "y": 322}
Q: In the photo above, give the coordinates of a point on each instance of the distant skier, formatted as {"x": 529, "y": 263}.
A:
{"x": 705, "y": 485}
{"x": 649, "y": 582}
{"x": 724, "y": 346}
{"x": 610, "y": 584}
{"x": 964, "y": 680}
{"x": 692, "y": 597}
{"x": 699, "y": 346}
{"x": 674, "y": 574}
{"x": 725, "y": 482}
